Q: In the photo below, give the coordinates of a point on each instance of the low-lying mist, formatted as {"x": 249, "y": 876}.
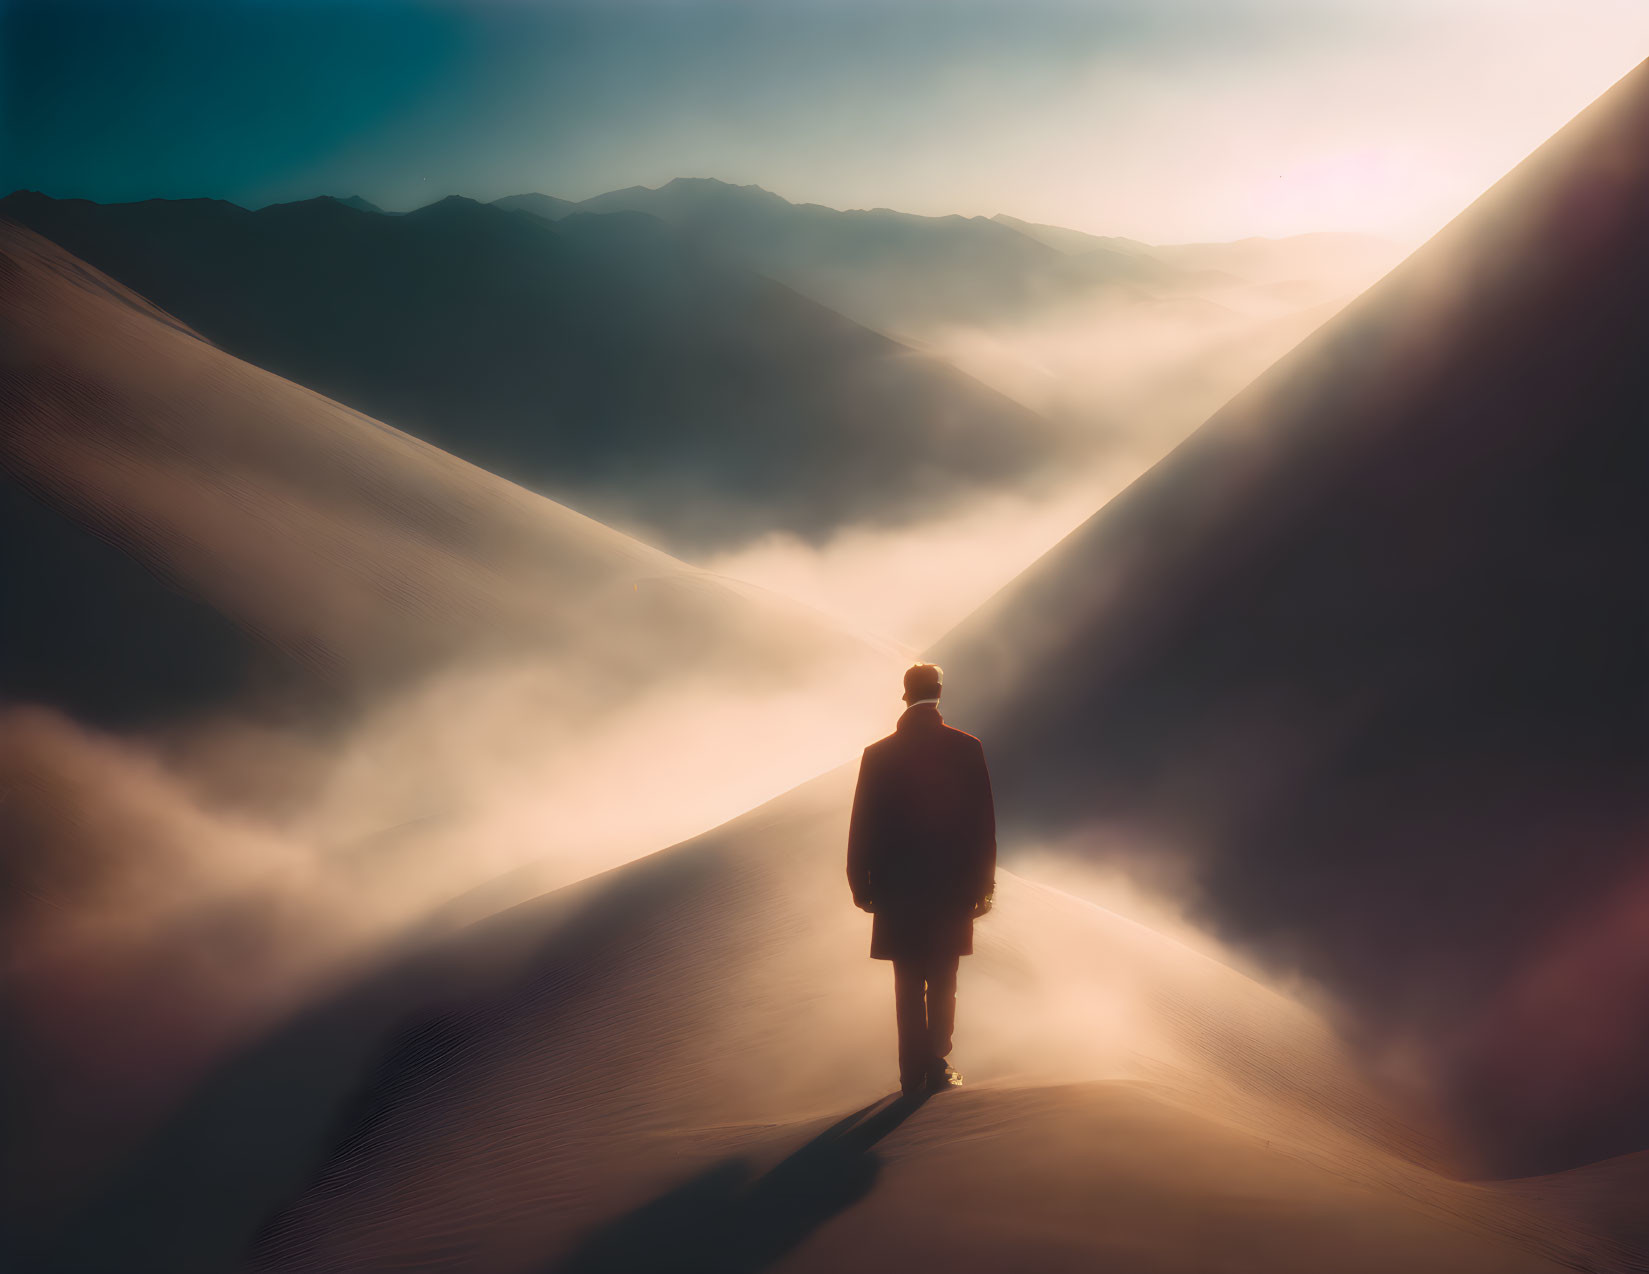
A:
{"x": 1138, "y": 366}
{"x": 169, "y": 896}
{"x": 1123, "y": 376}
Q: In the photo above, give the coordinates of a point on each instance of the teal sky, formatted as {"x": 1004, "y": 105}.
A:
{"x": 1162, "y": 119}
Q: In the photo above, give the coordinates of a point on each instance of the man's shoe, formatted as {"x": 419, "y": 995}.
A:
{"x": 943, "y": 1076}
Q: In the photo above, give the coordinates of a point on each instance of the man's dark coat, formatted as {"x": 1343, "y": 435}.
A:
{"x": 921, "y": 847}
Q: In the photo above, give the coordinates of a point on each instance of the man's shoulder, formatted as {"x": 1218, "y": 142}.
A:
{"x": 961, "y": 738}
{"x": 881, "y": 745}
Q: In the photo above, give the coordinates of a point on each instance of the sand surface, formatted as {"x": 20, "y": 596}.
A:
{"x": 687, "y": 1064}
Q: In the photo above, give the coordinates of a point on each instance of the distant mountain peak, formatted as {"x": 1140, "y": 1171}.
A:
{"x": 688, "y": 192}
{"x": 717, "y": 184}
{"x": 325, "y": 204}
{"x": 549, "y": 207}
{"x": 451, "y": 204}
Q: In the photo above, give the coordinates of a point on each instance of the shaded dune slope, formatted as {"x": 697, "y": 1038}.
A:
{"x": 342, "y": 548}
{"x": 1369, "y": 651}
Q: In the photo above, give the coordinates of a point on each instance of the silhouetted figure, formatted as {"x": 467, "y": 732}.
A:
{"x": 921, "y": 857}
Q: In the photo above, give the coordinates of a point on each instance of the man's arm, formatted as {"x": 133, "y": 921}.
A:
{"x": 861, "y": 835}
{"x": 985, "y": 866}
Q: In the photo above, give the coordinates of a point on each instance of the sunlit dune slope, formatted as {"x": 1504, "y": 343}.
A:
{"x": 596, "y": 1078}
{"x": 1369, "y": 652}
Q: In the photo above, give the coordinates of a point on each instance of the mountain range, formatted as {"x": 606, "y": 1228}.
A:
{"x": 901, "y": 273}
{"x": 599, "y": 360}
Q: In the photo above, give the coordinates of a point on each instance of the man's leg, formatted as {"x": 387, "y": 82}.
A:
{"x": 910, "y": 1010}
{"x": 941, "y": 1006}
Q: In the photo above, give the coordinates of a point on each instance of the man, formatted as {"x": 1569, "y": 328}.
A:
{"x": 921, "y": 857}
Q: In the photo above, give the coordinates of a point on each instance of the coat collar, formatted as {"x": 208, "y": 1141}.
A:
{"x": 920, "y": 714}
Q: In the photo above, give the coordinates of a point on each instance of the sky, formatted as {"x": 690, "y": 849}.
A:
{"x": 1165, "y": 120}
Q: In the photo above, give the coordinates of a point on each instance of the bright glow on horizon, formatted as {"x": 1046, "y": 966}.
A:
{"x": 1169, "y": 121}
{"x": 1384, "y": 118}
{"x": 1393, "y": 138}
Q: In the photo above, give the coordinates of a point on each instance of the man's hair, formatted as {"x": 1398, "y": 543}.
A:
{"x": 923, "y": 681}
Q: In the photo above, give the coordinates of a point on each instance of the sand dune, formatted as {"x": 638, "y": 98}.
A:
{"x": 683, "y": 1065}
{"x": 398, "y": 630}
{"x": 1367, "y": 654}
{"x": 348, "y": 546}
{"x": 352, "y": 678}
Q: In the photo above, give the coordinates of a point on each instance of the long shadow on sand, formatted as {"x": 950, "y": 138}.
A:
{"x": 724, "y": 1222}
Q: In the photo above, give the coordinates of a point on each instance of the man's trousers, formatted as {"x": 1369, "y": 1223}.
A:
{"x": 924, "y": 1002}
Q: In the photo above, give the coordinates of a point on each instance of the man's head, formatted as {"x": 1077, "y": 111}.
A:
{"x": 923, "y": 681}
